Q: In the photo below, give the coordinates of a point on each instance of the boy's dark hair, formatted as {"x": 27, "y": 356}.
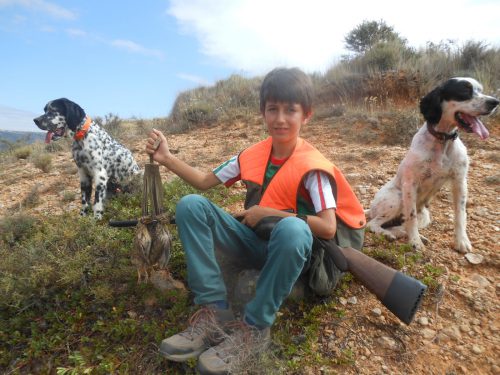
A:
{"x": 287, "y": 85}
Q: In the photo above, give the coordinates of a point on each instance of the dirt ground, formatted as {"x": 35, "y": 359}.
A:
{"x": 456, "y": 331}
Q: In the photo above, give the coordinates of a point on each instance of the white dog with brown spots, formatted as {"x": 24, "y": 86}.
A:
{"x": 436, "y": 156}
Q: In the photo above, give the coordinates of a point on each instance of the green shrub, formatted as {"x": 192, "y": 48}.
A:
{"x": 42, "y": 161}
{"x": 111, "y": 123}
{"x": 32, "y": 198}
{"x": 22, "y": 152}
{"x": 16, "y": 227}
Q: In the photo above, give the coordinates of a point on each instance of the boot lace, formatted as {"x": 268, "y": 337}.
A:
{"x": 202, "y": 322}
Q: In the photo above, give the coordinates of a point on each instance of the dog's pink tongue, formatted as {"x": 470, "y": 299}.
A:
{"x": 48, "y": 137}
{"x": 476, "y": 125}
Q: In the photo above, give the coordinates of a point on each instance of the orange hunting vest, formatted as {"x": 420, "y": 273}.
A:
{"x": 282, "y": 191}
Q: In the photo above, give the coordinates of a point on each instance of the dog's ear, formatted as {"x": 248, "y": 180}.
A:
{"x": 73, "y": 112}
{"x": 430, "y": 106}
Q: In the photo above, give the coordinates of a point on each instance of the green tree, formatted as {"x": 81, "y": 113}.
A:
{"x": 369, "y": 33}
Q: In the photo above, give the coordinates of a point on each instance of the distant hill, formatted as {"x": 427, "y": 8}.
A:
{"x": 8, "y": 137}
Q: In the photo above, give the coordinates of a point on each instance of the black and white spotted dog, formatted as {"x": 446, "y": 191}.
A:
{"x": 436, "y": 156}
{"x": 101, "y": 160}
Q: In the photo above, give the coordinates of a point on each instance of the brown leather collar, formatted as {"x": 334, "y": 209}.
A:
{"x": 443, "y": 137}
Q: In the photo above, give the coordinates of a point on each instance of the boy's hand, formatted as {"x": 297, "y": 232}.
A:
{"x": 162, "y": 152}
{"x": 255, "y": 213}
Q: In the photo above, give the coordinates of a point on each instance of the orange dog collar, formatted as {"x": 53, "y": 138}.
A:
{"x": 85, "y": 128}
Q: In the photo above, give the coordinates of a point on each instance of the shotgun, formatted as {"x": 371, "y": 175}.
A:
{"x": 400, "y": 293}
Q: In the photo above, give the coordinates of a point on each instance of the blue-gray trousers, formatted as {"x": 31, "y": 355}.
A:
{"x": 203, "y": 226}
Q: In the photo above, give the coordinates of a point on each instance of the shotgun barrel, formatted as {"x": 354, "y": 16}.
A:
{"x": 123, "y": 223}
{"x": 131, "y": 222}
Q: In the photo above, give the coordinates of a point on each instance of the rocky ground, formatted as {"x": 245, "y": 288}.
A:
{"x": 457, "y": 329}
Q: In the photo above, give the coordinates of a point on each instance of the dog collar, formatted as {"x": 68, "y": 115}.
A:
{"x": 443, "y": 137}
{"x": 85, "y": 128}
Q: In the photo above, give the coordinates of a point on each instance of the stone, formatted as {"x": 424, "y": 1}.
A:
{"x": 352, "y": 300}
{"x": 474, "y": 258}
{"x": 480, "y": 280}
{"x": 423, "y": 321}
{"x": 476, "y": 349}
{"x": 428, "y": 333}
{"x": 376, "y": 311}
{"x": 453, "y": 332}
{"x": 387, "y": 342}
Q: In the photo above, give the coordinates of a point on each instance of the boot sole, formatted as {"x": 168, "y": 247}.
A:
{"x": 181, "y": 357}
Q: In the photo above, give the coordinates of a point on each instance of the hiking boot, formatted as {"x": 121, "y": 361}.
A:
{"x": 206, "y": 328}
{"x": 238, "y": 351}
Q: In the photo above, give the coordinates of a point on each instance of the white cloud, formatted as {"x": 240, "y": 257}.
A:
{"x": 192, "y": 78}
{"x": 49, "y": 8}
{"x": 123, "y": 44}
{"x": 17, "y": 119}
{"x": 76, "y": 32}
{"x": 133, "y": 47}
{"x": 257, "y": 35}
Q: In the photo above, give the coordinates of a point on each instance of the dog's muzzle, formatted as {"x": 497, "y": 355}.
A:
{"x": 52, "y": 134}
{"x": 39, "y": 122}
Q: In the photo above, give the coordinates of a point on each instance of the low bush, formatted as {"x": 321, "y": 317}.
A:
{"x": 42, "y": 161}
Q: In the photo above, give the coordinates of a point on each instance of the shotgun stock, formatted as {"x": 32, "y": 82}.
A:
{"x": 400, "y": 293}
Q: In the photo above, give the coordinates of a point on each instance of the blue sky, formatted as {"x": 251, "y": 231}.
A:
{"x": 133, "y": 58}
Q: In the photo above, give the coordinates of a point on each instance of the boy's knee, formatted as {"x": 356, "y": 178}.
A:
{"x": 189, "y": 204}
{"x": 293, "y": 232}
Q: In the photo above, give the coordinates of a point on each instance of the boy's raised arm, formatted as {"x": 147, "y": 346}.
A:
{"x": 194, "y": 177}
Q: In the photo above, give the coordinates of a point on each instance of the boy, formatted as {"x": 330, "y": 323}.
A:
{"x": 286, "y": 177}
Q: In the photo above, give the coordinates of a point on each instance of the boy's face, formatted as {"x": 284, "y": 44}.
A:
{"x": 284, "y": 120}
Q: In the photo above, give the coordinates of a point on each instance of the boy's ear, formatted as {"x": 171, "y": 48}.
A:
{"x": 307, "y": 116}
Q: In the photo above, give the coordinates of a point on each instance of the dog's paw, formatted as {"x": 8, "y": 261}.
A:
{"x": 397, "y": 232}
{"x": 417, "y": 244}
{"x": 425, "y": 240}
{"x": 463, "y": 245}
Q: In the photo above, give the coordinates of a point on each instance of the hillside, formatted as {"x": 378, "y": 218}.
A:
{"x": 8, "y": 137}
{"x": 455, "y": 332}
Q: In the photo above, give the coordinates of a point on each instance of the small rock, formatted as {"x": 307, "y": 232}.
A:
{"x": 428, "y": 333}
{"x": 376, "y": 311}
{"x": 342, "y": 301}
{"x": 464, "y": 328}
{"x": 477, "y": 349}
{"x": 474, "y": 258}
{"x": 480, "y": 280}
{"x": 423, "y": 321}
{"x": 387, "y": 342}
{"x": 352, "y": 300}
{"x": 453, "y": 332}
